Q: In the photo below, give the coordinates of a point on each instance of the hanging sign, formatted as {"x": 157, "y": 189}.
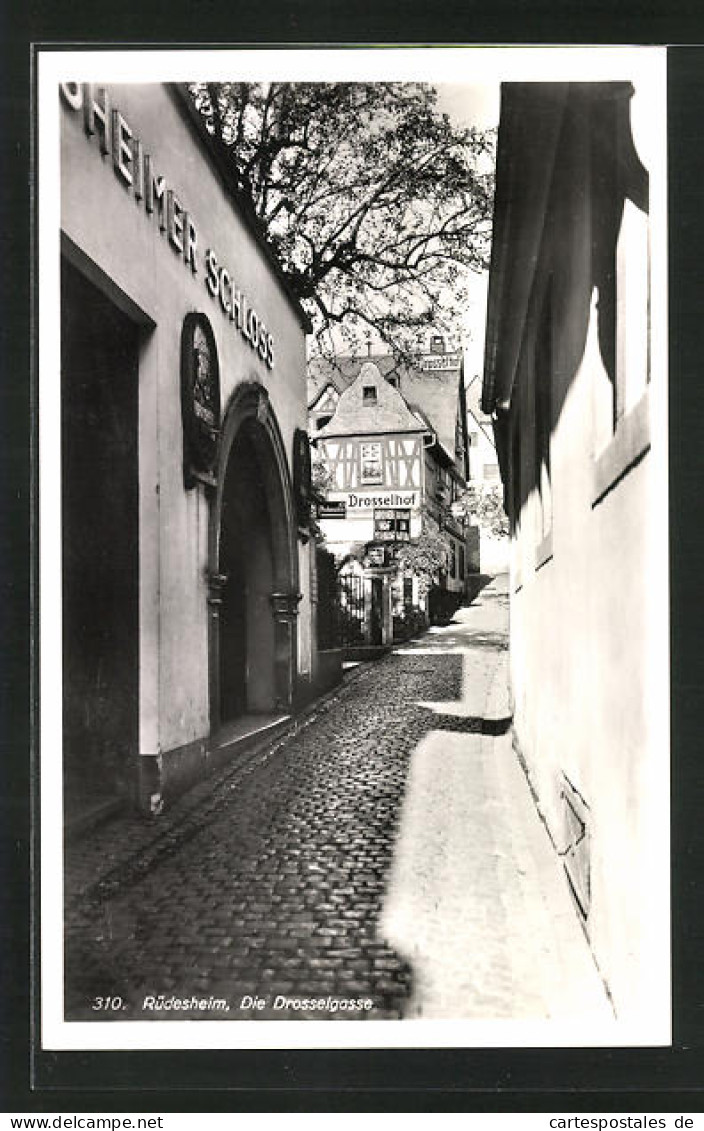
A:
{"x": 440, "y": 361}
{"x": 333, "y": 508}
{"x": 392, "y": 525}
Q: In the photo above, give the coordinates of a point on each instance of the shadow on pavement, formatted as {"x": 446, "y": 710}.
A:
{"x": 274, "y": 885}
{"x": 475, "y": 583}
{"x": 471, "y": 724}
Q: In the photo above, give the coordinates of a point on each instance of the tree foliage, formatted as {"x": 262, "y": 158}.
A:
{"x": 373, "y": 201}
{"x": 321, "y": 476}
{"x": 485, "y": 504}
{"x": 426, "y": 557}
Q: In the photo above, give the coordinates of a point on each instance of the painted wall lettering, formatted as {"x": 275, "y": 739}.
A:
{"x": 235, "y": 305}
{"x": 135, "y": 169}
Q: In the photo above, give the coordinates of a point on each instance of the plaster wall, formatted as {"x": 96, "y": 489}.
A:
{"x": 113, "y": 239}
{"x": 585, "y": 611}
{"x": 494, "y": 553}
{"x": 481, "y": 452}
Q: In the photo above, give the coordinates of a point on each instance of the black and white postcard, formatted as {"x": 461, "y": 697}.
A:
{"x": 353, "y": 495}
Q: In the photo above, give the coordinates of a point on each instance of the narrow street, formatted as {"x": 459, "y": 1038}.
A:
{"x": 386, "y": 848}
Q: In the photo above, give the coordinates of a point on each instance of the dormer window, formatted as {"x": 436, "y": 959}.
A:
{"x": 369, "y": 394}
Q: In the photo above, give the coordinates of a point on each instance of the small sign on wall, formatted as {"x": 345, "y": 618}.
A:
{"x": 200, "y": 400}
{"x": 392, "y": 525}
{"x": 375, "y": 556}
{"x": 333, "y": 508}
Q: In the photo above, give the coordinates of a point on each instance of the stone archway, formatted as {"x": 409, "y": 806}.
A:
{"x": 253, "y": 565}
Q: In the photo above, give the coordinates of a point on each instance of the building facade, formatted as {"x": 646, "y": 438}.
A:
{"x": 393, "y": 441}
{"x": 572, "y": 379}
{"x": 187, "y": 566}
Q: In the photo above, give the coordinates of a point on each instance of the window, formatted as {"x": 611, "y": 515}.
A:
{"x": 633, "y": 308}
{"x": 515, "y": 500}
{"x": 491, "y": 472}
{"x": 516, "y": 472}
{"x": 623, "y": 309}
{"x": 453, "y": 559}
{"x": 463, "y": 564}
{"x": 371, "y": 466}
{"x": 543, "y": 425}
{"x": 473, "y": 439}
{"x": 408, "y": 592}
{"x": 369, "y": 394}
{"x": 622, "y": 433}
{"x": 393, "y": 380}
{"x": 323, "y": 420}
{"x": 442, "y": 486}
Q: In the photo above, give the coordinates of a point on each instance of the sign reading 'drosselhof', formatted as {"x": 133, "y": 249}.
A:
{"x": 135, "y": 168}
{"x": 435, "y": 362}
{"x": 361, "y": 501}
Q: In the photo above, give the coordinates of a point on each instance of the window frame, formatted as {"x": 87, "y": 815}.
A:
{"x": 366, "y": 480}
{"x": 543, "y": 408}
{"x": 630, "y": 440}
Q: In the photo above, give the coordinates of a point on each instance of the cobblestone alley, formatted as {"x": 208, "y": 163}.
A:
{"x": 385, "y": 848}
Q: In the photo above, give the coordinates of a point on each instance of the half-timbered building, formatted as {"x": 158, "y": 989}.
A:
{"x": 393, "y": 440}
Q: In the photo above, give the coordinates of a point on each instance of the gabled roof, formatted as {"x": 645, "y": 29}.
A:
{"x": 357, "y": 416}
{"x": 329, "y": 393}
{"x": 340, "y": 373}
{"x": 437, "y": 396}
{"x": 435, "y": 393}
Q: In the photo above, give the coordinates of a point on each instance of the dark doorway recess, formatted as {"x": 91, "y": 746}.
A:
{"x": 247, "y": 625}
{"x": 253, "y": 566}
{"x": 100, "y": 547}
{"x": 377, "y": 613}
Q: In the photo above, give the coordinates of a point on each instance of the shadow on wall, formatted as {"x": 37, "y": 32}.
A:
{"x": 595, "y": 170}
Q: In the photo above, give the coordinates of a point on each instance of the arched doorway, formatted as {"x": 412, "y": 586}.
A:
{"x": 253, "y": 566}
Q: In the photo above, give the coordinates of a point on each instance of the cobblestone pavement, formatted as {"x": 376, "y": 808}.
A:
{"x": 369, "y": 853}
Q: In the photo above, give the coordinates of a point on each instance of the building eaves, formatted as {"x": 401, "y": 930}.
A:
{"x": 529, "y": 129}
{"x": 437, "y": 395}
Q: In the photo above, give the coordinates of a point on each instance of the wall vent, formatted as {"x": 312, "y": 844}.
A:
{"x": 576, "y": 844}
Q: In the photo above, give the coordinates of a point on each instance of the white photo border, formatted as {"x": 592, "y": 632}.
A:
{"x": 468, "y": 65}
